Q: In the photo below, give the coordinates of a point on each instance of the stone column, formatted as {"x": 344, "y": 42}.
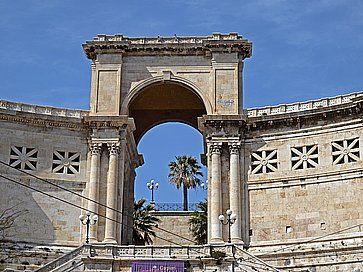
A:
{"x": 215, "y": 194}
{"x": 112, "y": 182}
{"x": 234, "y": 191}
{"x": 94, "y": 184}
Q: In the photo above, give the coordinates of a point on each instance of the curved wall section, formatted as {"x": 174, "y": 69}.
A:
{"x": 52, "y": 147}
{"x": 304, "y": 182}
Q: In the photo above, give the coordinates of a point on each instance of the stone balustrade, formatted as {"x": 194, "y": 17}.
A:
{"x": 47, "y": 110}
{"x": 252, "y": 112}
{"x": 156, "y": 252}
{"x": 303, "y": 106}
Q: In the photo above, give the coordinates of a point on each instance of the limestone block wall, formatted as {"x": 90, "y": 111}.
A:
{"x": 57, "y": 154}
{"x": 306, "y": 182}
{"x": 220, "y": 83}
{"x": 176, "y": 222}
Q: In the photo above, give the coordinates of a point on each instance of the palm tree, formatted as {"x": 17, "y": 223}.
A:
{"x": 199, "y": 222}
{"x": 184, "y": 171}
{"x": 144, "y": 222}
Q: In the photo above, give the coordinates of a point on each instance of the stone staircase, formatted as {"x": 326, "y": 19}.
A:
{"x": 69, "y": 262}
{"x": 224, "y": 258}
{"x": 19, "y": 256}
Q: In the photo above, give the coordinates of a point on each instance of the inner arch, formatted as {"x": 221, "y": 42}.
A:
{"x": 165, "y": 102}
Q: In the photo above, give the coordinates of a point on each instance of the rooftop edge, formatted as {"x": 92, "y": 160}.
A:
{"x": 119, "y": 43}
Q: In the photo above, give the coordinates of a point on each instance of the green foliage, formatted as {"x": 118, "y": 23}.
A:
{"x": 144, "y": 222}
{"x": 199, "y": 223}
{"x": 184, "y": 172}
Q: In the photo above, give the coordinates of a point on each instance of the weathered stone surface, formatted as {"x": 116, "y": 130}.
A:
{"x": 297, "y": 166}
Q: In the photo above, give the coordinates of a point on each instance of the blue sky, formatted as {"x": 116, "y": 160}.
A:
{"x": 301, "y": 50}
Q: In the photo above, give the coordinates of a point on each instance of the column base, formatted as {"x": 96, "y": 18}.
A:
{"x": 237, "y": 241}
{"x": 109, "y": 241}
{"x": 93, "y": 240}
{"x": 216, "y": 241}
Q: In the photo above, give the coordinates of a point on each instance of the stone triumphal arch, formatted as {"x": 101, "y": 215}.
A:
{"x": 292, "y": 173}
{"x": 139, "y": 83}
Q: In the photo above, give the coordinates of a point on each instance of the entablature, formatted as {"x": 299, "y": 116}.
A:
{"x": 194, "y": 45}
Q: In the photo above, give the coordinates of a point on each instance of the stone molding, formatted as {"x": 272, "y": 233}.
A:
{"x": 273, "y": 183}
{"x": 46, "y": 110}
{"x": 120, "y": 44}
{"x": 222, "y": 126}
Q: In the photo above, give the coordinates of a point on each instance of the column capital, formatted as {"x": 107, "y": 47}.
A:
{"x": 234, "y": 148}
{"x": 114, "y": 148}
{"x": 215, "y": 148}
{"x": 95, "y": 148}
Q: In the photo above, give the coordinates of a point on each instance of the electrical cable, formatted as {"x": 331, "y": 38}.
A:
{"x": 311, "y": 240}
{"x": 89, "y": 199}
{"x": 80, "y": 207}
{"x": 85, "y": 209}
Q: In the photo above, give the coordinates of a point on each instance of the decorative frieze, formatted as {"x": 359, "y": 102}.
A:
{"x": 304, "y": 157}
{"x": 264, "y": 161}
{"x": 345, "y": 151}
{"x": 65, "y": 162}
{"x": 24, "y": 158}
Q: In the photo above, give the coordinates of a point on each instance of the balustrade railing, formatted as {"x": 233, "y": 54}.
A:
{"x": 175, "y": 207}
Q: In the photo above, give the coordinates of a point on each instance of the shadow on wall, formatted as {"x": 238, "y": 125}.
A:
{"x": 246, "y": 200}
{"x": 32, "y": 224}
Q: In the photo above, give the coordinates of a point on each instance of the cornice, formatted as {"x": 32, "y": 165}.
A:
{"x": 100, "y": 122}
{"x": 41, "y": 120}
{"x": 222, "y": 126}
{"x": 42, "y": 110}
{"x": 195, "y": 45}
{"x": 305, "y": 106}
{"x": 306, "y": 117}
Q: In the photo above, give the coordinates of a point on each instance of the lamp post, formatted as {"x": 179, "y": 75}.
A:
{"x": 87, "y": 220}
{"x": 152, "y": 186}
{"x": 204, "y": 186}
{"x": 231, "y": 218}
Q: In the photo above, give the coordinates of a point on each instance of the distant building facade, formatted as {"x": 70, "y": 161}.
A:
{"x": 291, "y": 173}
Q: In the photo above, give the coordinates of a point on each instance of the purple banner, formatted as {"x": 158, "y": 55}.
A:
{"x": 158, "y": 266}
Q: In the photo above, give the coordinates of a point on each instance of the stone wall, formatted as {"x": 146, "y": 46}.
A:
{"x": 57, "y": 155}
{"x": 309, "y": 187}
{"x": 176, "y": 222}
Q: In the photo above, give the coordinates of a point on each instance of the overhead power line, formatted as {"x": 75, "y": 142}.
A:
{"x": 103, "y": 216}
{"x": 89, "y": 199}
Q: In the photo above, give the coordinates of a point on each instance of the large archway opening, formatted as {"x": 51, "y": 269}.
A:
{"x": 165, "y": 102}
{"x": 165, "y": 116}
{"x": 159, "y": 147}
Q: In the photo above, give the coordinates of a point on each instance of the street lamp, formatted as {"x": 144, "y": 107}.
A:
{"x": 204, "y": 186}
{"x": 87, "y": 220}
{"x": 231, "y": 218}
{"x": 152, "y": 186}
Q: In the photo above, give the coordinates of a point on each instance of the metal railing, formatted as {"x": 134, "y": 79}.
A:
{"x": 175, "y": 207}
